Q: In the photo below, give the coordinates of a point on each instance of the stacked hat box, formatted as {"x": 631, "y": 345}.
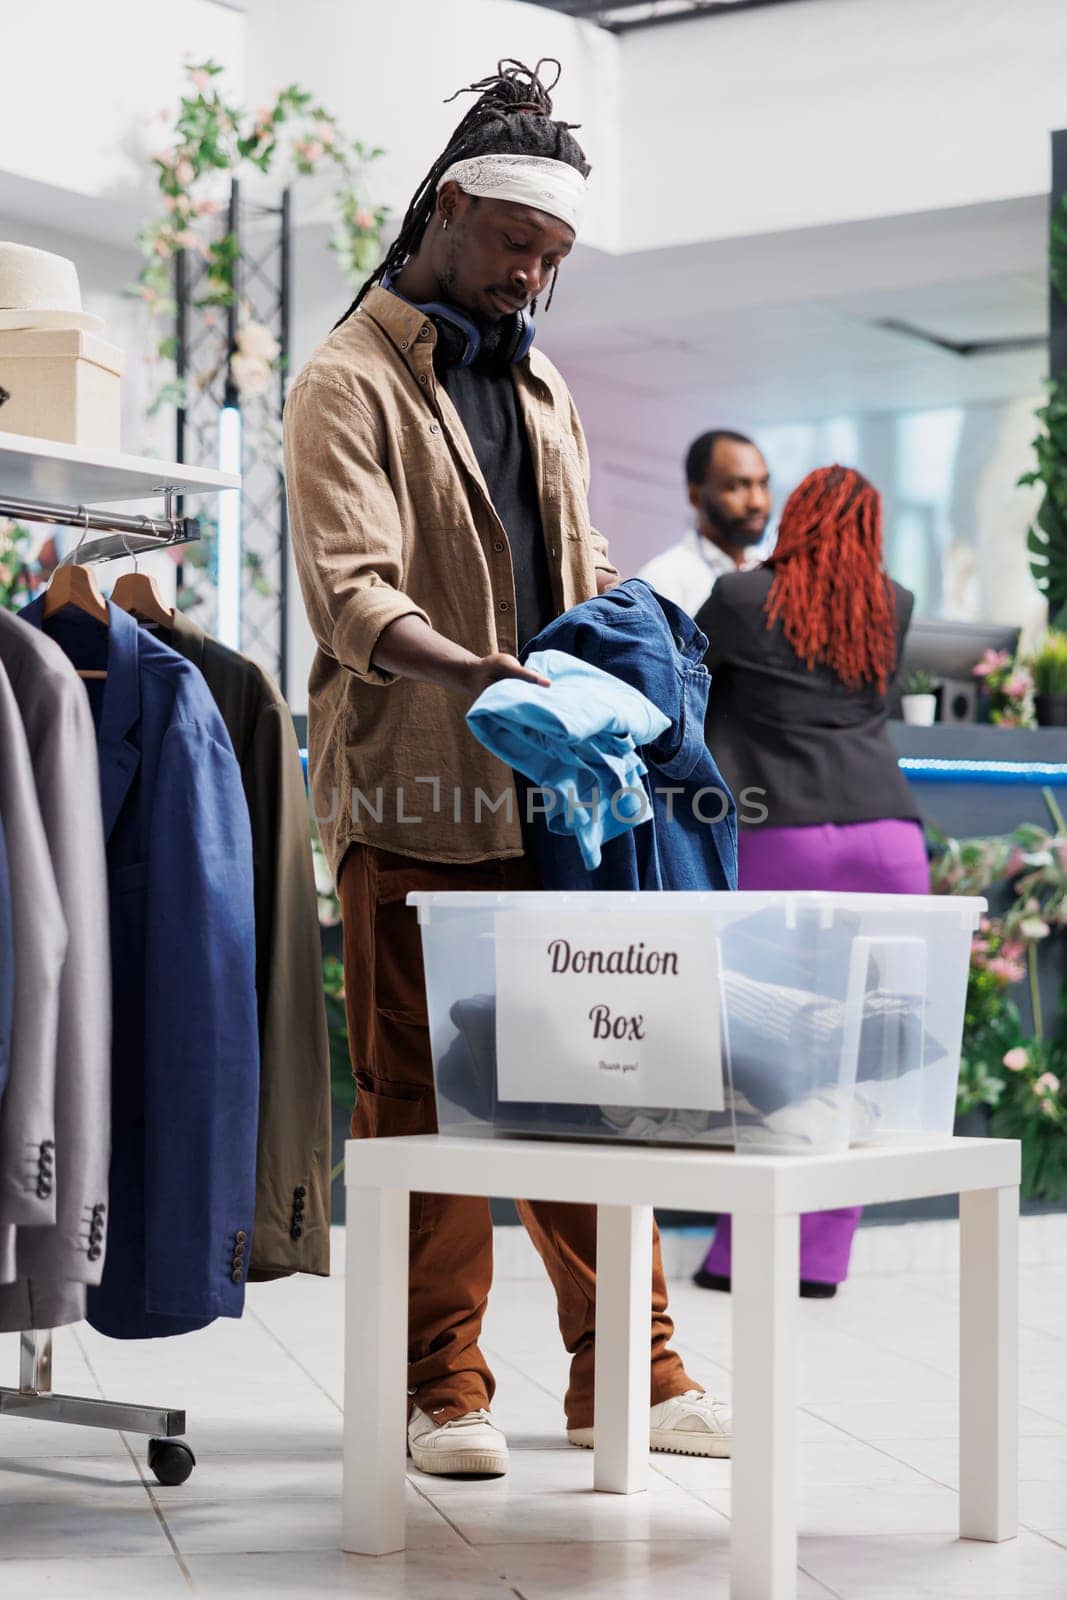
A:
{"x": 61, "y": 379}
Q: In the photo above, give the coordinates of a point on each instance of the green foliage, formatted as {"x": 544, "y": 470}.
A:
{"x": 341, "y": 1079}
{"x": 1020, "y": 1080}
{"x": 213, "y": 136}
{"x": 917, "y": 682}
{"x": 22, "y": 573}
{"x": 1047, "y": 538}
{"x": 1049, "y": 665}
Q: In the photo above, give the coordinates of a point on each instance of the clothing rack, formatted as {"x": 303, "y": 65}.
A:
{"x": 26, "y": 464}
{"x": 129, "y": 536}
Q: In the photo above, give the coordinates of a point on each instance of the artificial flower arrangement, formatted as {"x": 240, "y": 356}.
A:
{"x": 1018, "y": 1080}
{"x": 212, "y": 138}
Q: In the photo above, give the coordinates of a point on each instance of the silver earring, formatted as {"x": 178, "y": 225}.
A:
{"x": 444, "y": 225}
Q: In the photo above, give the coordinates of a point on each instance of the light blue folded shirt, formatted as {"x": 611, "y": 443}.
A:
{"x": 578, "y": 740}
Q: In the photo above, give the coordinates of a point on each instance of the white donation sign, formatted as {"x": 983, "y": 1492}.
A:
{"x": 598, "y": 1010}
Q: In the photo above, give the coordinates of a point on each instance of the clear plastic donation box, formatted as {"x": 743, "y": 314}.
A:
{"x": 777, "y": 1022}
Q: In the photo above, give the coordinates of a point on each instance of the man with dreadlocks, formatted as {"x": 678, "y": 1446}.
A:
{"x": 437, "y": 478}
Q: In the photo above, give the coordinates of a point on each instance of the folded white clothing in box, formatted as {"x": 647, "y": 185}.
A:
{"x": 61, "y": 383}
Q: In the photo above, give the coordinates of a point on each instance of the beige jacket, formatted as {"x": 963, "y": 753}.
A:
{"x": 390, "y": 517}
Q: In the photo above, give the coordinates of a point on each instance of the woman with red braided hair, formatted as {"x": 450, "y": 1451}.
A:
{"x": 802, "y": 653}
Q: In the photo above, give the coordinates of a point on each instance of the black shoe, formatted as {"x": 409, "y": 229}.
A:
{"x": 711, "y": 1280}
{"x": 809, "y": 1288}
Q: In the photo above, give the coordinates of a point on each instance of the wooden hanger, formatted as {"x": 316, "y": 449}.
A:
{"x": 138, "y": 593}
{"x": 72, "y": 585}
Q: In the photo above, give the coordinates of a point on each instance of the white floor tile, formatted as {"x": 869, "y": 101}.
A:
{"x": 94, "y": 1578}
{"x": 631, "y": 1570}
{"x": 904, "y": 1419}
{"x": 412, "y": 1575}
{"x": 274, "y": 1523}
{"x": 109, "y": 1480}
{"x": 867, "y": 1509}
{"x": 261, "y": 1515}
{"x": 937, "y": 1567}
{"x": 52, "y": 1527}
{"x": 668, "y": 1513}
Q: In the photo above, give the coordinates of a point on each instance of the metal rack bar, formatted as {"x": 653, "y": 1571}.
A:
{"x": 34, "y": 1397}
{"x": 128, "y": 535}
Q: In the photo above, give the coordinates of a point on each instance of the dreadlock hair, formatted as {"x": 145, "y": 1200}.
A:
{"x": 830, "y": 590}
{"x": 512, "y": 116}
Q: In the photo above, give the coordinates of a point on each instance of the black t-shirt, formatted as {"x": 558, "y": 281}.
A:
{"x": 484, "y": 395}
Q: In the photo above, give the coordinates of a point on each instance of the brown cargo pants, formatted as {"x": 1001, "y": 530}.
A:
{"x": 451, "y": 1250}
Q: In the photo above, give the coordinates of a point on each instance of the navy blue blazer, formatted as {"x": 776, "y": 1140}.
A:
{"x": 185, "y": 1053}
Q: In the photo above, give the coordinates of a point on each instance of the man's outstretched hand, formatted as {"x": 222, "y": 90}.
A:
{"x": 494, "y": 668}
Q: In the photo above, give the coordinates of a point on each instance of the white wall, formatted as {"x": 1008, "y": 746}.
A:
{"x": 82, "y": 80}
{"x": 836, "y": 110}
{"x": 385, "y": 69}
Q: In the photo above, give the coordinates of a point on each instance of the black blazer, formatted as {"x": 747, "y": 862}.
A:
{"x": 819, "y": 750}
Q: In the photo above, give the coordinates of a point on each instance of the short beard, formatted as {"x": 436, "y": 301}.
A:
{"x": 731, "y": 530}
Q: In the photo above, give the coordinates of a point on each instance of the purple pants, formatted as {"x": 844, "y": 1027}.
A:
{"x": 861, "y": 858}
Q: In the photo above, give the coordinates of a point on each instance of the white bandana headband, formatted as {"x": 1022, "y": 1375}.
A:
{"x": 552, "y": 186}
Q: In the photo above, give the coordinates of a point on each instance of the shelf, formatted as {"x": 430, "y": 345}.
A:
{"x": 40, "y": 469}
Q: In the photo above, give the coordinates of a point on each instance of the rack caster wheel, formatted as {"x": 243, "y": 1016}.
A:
{"x": 170, "y": 1459}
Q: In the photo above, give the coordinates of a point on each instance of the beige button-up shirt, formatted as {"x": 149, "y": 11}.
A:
{"x": 390, "y": 517}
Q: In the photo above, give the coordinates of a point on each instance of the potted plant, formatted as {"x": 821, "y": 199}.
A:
{"x": 918, "y": 700}
{"x": 1049, "y": 668}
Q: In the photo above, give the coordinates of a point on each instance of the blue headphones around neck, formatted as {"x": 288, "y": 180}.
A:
{"x": 462, "y": 337}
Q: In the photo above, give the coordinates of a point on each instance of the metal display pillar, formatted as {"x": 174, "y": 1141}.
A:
{"x": 206, "y": 335}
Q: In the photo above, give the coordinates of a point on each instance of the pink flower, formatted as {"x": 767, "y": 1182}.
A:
{"x": 206, "y": 208}
{"x": 1061, "y": 854}
{"x": 263, "y": 115}
{"x": 365, "y": 219}
{"x": 1016, "y": 1059}
{"x": 992, "y": 661}
{"x": 309, "y": 150}
{"x": 1019, "y": 684}
{"x": 1007, "y": 971}
{"x": 185, "y": 172}
{"x": 1048, "y": 1083}
{"x": 201, "y": 81}
{"x": 1013, "y": 949}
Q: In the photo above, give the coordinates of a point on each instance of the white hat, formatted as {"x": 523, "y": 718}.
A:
{"x": 40, "y": 290}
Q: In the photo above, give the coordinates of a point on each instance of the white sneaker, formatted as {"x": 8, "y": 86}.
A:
{"x": 690, "y": 1424}
{"x": 469, "y": 1447}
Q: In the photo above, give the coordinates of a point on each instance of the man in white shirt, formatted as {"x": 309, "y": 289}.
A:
{"x": 730, "y": 491}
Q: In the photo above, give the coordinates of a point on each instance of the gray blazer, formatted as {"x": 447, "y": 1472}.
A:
{"x": 27, "y": 1111}
{"x": 62, "y": 745}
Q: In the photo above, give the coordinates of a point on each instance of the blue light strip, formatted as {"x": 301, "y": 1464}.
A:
{"x": 928, "y": 770}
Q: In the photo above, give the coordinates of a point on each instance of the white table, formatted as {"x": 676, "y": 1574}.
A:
{"x": 765, "y": 1195}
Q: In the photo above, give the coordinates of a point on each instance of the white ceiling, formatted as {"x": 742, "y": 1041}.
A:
{"x": 790, "y": 328}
